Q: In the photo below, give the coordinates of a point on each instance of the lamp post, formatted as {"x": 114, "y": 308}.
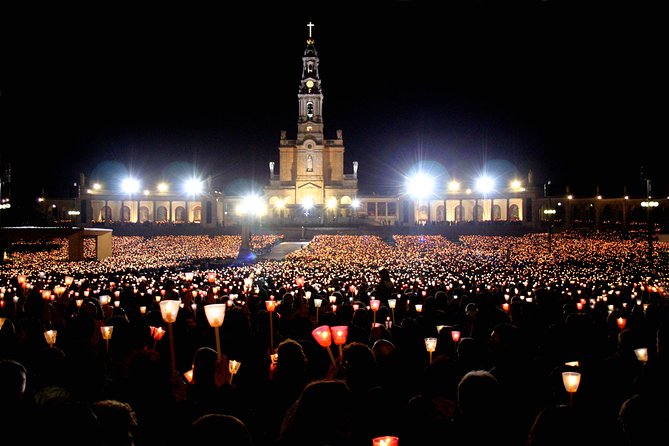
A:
{"x": 549, "y": 213}
{"x": 215, "y": 316}
{"x": 649, "y": 204}
{"x": 169, "y": 310}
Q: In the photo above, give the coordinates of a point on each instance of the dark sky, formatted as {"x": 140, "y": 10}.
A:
{"x": 564, "y": 89}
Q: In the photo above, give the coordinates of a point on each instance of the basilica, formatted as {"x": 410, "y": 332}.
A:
{"x": 314, "y": 184}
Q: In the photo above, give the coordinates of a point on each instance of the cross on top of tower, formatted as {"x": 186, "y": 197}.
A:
{"x": 310, "y": 25}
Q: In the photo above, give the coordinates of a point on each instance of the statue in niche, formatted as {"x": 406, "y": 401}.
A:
{"x": 283, "y": 134}
{"x": 271, "y": 167}
{"x": 310, "y": 163}
{"x": 339, "y": 134}
{"x": 355, "y": 168}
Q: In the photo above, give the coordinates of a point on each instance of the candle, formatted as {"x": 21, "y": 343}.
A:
{"x": 385, "y": 441}
{"x": 641, "y": 355}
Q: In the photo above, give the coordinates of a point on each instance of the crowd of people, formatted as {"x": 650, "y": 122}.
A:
{"x": 506, "y": 316}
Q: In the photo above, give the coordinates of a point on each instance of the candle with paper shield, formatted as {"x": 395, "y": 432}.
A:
{"x": 374, "y": 305}
{"x": 571, "y": 381}
{"x": 107, "y": 331}
{"x": 385, "y": 441}
{"x": 391, "y": 304}
{"x": 169, "y": 310}
{"x": 323, "y": 336}
{"x": 430, "y": 346}
{"x": 50, "y": 336}
{"x": 339, "y": 335}
{"x": 233, "y": 368}
{"x": 215, "y": 316}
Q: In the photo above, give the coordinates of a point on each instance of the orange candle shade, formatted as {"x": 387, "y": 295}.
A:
{"x": 505, "y": 306}
{"x": 385, "y": 441}
{"x": 571, "y": 381}
{"x": 270, "y": 305}
{"x": 107, "y": 331}
{"x": 157, "y": 333}
{"x": 189, "y": 376}
{"x": 621, "y": 322}
{"x": 641, "y": 355}
{"x": 339, "y": 334}
{"x": 50, "y": 336}
{"x": 215, "y": 314}
{"x": 322, "y": 335}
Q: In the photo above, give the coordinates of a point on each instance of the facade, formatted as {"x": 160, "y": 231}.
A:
{"x": 313, "y": 184}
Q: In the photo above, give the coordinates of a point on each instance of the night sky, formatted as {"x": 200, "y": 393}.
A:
{"x": 560, "y": 88}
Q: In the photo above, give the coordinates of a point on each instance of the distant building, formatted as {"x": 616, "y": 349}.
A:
{"x": 312, "y": 184}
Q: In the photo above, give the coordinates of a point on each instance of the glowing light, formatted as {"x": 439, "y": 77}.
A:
{"x": 453, "y": 186}
{"x": 420, "y": 185}
{"x": 130, "y": 185}
{"x": 163, "y": 187}
{"x": 485, "y": 184}
{"x": 193, "y": 186}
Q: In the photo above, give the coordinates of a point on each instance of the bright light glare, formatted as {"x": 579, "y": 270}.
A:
{"x": 420, "y": 185}
{"x": 163, "y": 187}
{"x": 193, "y": 186}
{"x": 130, "y": 185}
{"x": 252, "y": 205}
{"x": 308, "y": 203}
{"x": 97, "y": 186}
{"x": 355, "y": 203}
{"x": 484, "y": 184}
{"x": 515, "y": 184}
{"x": 332, "y": 203}
{"x": 453, "y": 186}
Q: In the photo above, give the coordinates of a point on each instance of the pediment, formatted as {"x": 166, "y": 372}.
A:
{"x": 309, "y": 186}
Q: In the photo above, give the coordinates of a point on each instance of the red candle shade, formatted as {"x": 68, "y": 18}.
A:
{"x": 270, "y": 305}
{"x": 385, "y": 441}
{"x": 299, "y": 281}
{"x": 323, "y": 336}
{"x": 339, "y": 334}
{"x": 374, "y": 304}
{"x": 621, "y": 322}
{"x": 157, "y": 333}
{"x": 455, "y": 335}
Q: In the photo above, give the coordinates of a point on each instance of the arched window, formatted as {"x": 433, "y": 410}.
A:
{"x": 459, "y": 213}
{"x": 143, "y": 214}
{"x": 441, "y": 216}
{"x": 513, "y": 212}
{"x": 106, "y": 213}
{"x": 180, "y": 214}
{"x": 478, "y": 213}
{"x": 197, "y": 214}
{"x": 310, "y": 110}
{"x": 161, "y": 214}
{"x": 125, "y": 213}
{"x": 496, "y": 212}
